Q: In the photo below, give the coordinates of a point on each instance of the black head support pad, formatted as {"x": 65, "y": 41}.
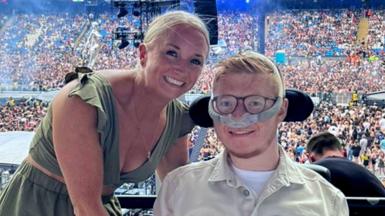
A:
{"x": 300, "y": 107}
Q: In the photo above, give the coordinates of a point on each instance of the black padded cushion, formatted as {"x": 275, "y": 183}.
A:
{"x": 300, "y": 107}
{"x": 199, "y": 112}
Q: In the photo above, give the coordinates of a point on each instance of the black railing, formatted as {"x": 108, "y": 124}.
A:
{"x": 358, "y": 206}
{"x": 136, "y": 201}
{"x": 373, "y": 206}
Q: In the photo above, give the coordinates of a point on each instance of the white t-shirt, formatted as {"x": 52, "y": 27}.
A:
{"x": 255, "y": 180}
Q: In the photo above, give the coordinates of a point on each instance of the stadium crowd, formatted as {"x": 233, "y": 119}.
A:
{"x": 21, "y": 115}
{"x": 84, "y": 40}
{"x": 324, "y": 32}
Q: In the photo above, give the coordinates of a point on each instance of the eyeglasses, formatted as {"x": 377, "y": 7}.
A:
{"x": 226, "y": 104}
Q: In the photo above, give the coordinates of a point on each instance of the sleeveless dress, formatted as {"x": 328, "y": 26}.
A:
{"x": 32, "y": 193}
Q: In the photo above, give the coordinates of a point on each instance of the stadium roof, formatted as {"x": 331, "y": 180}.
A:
{"x": 317, "y": 4}
{"x": 14, "y": 146}
{"x": 253, "y": 5}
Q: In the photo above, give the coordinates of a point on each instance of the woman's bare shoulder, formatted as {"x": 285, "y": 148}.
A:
{"x": 120, "y": 80}
{"x": 113, "y": 72}
{"x": 117, "y": 75}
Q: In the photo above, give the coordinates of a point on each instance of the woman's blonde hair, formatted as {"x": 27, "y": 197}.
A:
{"x": 166, "y": 21}
{"x": 250, "y": 62}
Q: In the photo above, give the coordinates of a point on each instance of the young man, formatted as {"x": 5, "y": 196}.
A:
{"x": 253, "y": 176}
{"x": 351, "y": 178}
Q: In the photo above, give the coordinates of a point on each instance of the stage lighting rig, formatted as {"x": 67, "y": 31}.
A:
{"x": 122, "y": 12}
{"x": 126, "y": 36}
{"x": 122, "y": 6}
{"x": 137, "y": 9}
{"x": 122, "y": 34}
{"x": 138, "y": 38}
{"x": 143, "y": 11}
{"x": 123, "y": 44}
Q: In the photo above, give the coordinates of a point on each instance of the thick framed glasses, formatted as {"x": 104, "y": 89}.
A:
{"x": 253, "y": 104}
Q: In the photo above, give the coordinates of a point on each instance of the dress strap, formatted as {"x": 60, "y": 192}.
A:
{"x": 79, "y": 72}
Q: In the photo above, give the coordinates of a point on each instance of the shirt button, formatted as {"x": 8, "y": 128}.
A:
{"x": 246, "y": 192}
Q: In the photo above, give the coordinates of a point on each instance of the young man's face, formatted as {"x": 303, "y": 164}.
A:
{"x": 259, "y": 138}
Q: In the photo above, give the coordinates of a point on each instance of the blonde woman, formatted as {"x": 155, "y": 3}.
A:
{"x": 111, "y": 127}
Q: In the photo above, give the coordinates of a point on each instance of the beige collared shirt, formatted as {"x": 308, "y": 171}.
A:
{"x": 211, "y": 188}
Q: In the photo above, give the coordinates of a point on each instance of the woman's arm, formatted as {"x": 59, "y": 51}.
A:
{"x": 76, "y": 144}
{"x": 177, "y": 156}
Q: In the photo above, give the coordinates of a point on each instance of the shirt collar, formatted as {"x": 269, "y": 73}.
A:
{"x": 221, "y": 169}
{"x": 286, "y": 172}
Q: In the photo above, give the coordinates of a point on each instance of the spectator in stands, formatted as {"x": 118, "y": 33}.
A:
{"x": 381, "y": 164}
{"x": 356, "y": 150}
{"x": 111, "y": 127}
{"x": 351, "y": 178}
{"x": 363, "y": 143}
{"x": 382, "y": 123}
{"x": 253, "y": 176}
{"x": 365, "y": 158}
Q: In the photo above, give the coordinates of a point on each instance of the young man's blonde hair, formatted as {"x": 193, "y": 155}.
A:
{"x": 164, "y": 22}
{"x": 250, "y": 62}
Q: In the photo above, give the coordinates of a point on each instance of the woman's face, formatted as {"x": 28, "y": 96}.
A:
{"x": 173, "y": 62}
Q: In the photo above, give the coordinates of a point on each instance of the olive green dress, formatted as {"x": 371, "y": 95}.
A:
{"x": 32, "y": 193}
